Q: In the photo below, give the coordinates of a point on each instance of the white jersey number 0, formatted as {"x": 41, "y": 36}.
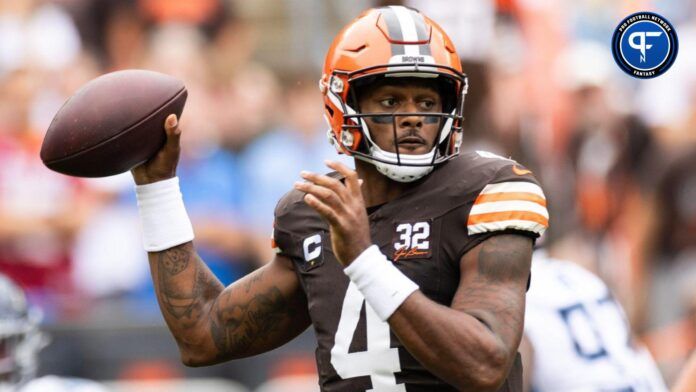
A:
{"x": 379, "y": 361}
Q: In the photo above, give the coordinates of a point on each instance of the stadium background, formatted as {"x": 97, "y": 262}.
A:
{"x": 616, "y": 156}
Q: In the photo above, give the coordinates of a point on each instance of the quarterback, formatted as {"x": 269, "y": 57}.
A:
{"x": 412, "y": 268}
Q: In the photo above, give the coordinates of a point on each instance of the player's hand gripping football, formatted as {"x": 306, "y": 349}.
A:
{"x": 342, "y": 205}
{"x": 163, "y": 165}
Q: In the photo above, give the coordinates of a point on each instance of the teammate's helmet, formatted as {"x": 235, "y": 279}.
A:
{"x": 20, "y": 339}
{"x": 392, "y": 41}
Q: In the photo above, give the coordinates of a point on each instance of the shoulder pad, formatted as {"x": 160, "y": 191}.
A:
{"x": 511, "y": 199}
{"x": 294, "y": 220}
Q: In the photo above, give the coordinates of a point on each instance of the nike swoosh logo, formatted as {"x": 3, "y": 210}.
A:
{"x": 519, "y": 171}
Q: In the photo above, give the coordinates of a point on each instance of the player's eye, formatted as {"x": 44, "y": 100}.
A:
{"x": 388, "y": 102}
{"x": 427, "y": 104}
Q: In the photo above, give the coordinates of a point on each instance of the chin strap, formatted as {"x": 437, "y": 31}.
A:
{"x": 403, "y": 173}
{"x": 398, "y": 172}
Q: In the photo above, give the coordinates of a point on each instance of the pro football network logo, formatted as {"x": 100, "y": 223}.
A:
{"x": 644, "y": 45}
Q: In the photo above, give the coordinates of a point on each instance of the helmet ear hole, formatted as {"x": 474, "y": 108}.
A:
{"x": 329, "y": 110}
{"x": 348, "y": 141}
{"x": 351, "y": 139}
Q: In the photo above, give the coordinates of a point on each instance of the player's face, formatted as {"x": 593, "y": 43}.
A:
{"x": 415, "y": 134}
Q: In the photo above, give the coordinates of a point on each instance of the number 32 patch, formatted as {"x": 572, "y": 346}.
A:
{"x": 412, "y": 241}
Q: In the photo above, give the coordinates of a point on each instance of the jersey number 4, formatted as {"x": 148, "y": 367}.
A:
{"x": 379, "y": 361}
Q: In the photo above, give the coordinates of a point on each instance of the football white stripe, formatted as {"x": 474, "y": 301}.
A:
{"x": 510, "y": 205}
{"x": 408, "y": 29}
{"x": 513, "y": 186}
{"x": 524, "y": 225}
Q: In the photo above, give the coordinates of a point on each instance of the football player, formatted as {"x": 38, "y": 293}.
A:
{"x": 412, "y": 269}
{"x": 20, "y": 343}
{"x": 577, "y": 337}
{"x": 20, "y": 338}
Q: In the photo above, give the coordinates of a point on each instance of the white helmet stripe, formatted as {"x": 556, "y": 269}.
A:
{"x": 408, "y": 29}
{"x": 421, "y": 27}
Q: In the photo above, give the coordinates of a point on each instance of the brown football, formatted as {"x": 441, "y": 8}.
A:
{"x": 112, "y": 124}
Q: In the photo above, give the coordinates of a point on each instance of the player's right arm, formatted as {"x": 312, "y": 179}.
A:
{"x": 212, "y": 323}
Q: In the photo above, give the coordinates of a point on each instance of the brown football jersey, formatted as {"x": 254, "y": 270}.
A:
{"x": 425, "y": 232}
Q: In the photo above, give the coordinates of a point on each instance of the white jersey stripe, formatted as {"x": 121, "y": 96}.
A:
{"x": 514, "y": 224}
{"x": 512, "y": 205}
{"x": 513, "y": 186}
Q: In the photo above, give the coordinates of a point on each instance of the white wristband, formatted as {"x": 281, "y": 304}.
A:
{"x": 163, "y": 215}
{"x": 384, "y": 287}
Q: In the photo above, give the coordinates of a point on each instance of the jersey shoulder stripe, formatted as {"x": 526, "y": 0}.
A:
{"x": 513, "y": 186}
{"x": 518, "y": 205}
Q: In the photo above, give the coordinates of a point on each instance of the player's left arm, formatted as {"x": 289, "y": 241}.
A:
{"x": 473, "y": 343}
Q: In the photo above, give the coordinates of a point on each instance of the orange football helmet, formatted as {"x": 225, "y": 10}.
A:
{"x": 393, "y": 41}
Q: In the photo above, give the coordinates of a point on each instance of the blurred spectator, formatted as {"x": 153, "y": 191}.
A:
{"x": 471, "y": 25}
{"x": 672, "y": 300}
{"x": 36, "y": 34}
{"x": 124, "y": 37}
{"x": 231, "y": 49}
{"x": 273, "y": 161}
{"x": 211, "y": 180}
{"x": 614, "y": 163}
{"x": 39, "y": 211}
{"x": 668, "y": 103}
{"x": 107, "y": 253}
{"x": 197, "y": 13}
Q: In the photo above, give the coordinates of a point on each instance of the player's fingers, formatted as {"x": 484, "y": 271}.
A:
{"x": 325, "y": 181}
{"x": 324, "y": 210}
{"x": 351, "y": 176}
{"x": 171, "y": 128}
{"x": 326, "y": 195}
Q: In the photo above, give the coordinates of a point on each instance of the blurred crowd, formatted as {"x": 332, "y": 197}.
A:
{"x": 616, "y": 155}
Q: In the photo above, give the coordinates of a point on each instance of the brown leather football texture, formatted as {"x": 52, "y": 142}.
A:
{"x": 112, "y": 124}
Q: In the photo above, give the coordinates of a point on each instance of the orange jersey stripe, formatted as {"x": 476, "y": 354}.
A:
{"x": 508, "y": 196}
{"x": 508, "y": 215}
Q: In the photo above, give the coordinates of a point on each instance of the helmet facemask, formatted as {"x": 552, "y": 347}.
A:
{"x": 357, "y": 138}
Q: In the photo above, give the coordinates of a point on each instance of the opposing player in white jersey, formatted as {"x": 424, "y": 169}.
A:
{"x": 576, "y": 336}
{"x": 20, "y": 343}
